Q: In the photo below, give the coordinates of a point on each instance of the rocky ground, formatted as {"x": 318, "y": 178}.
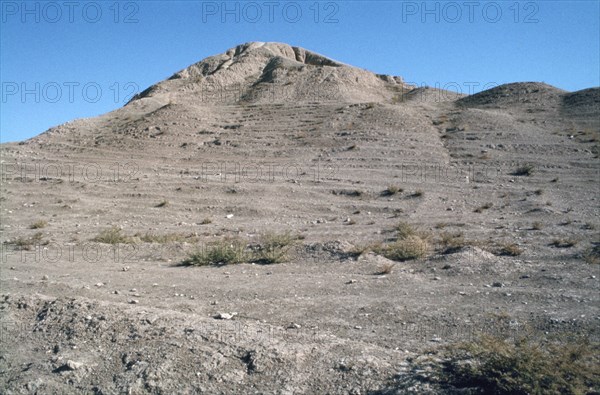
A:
{"x": 503, "y": 185}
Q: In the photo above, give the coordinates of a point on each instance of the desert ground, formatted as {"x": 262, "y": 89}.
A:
{"x": 271, "y": 221}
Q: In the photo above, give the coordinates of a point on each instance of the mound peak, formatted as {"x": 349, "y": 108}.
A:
{"x": 259, "y": 72}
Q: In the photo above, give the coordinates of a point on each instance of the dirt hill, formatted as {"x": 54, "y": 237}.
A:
{"x": 366, "y": 224}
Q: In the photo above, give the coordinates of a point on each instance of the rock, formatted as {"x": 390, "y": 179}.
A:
{"x": 72, "y": 365}
{"x": 99, "y": 285}
{"x": 125, "y": 268}
{"x": 497, "y": 285}
{"x": 133, "y": 301}
{"x": 225, "y": 316}
{"x": 436, "y": 278}
{"x": 229, "y": 216}
{"x": 294, "y": 326}
{"x": 45, "y": 277}
{"x": 351, "y": 282}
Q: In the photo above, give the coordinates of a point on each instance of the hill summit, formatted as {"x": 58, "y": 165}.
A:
{"x": 258, "y": 72}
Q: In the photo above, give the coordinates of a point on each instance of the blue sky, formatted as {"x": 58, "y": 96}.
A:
{"x": 73, "y": 59}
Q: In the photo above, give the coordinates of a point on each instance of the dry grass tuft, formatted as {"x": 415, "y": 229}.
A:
{"x": 564, "y": 243}
{"x": 224, "y": 252}
{"x": 524, "y": 170}
{"x": 27, "y": 243}
{"x": 113, "y": 236}
{"x": 38, "y": 224}
{"x": 523, "y": 366}
{"x": 510, "y": 249}
{"x": 407, "y": 248}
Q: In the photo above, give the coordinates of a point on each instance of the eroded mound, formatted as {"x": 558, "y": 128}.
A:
{"x": 272, "y": 72}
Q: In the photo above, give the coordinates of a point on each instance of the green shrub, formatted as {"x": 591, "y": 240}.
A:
{"x": 274, "y": 248}
{"x": 224, "y": 252}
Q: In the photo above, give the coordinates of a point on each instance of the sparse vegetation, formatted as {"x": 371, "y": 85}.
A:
{"x": 404, "y": 230}
{"x": 452, "y": 242}
{"x": 509, "y": 249}
{"x": 346, "y": 192}
{"x": 486, "y": 206}
{"x": 38, "y": 224}
{"x": 523, "y": 366}
{"x": 589, "y": 226}
{"x": 417, "y": 193}
{"x": 271, "y": 248}
{"x": 524, "y": 170}
{"x": 26, "y": 243}
{"x": 539, "y": 192}
{"x": 166, "y": 238}
{"x": 113, "y": 235}
{"x": 592, "y": 255}
{"x": 537, "y": 225}
{"x": 224, "y": 252}
{"x": 564, "y": 243}
{"x": 392, "y": 190}
{"x": 274, "y": 248}
{"x": 206, "y": 221}
{"x": 410, "y": 247}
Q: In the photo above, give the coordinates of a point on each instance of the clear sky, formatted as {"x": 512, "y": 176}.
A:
{"x": 66, "y": 59}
